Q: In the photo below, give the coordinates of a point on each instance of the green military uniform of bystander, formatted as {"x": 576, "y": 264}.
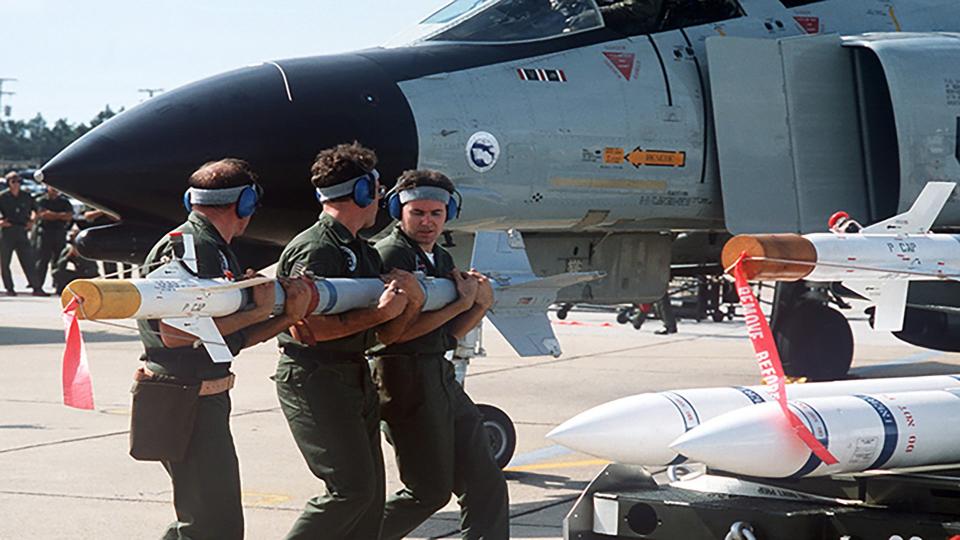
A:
{"x": 55, "y": 215}
{"x": 633, "y": 16}
{"x": 17, "y": 209}
{"x": 70, "y": 265}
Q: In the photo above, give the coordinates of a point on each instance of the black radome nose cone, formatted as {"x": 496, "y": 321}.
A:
{"x": 276, "y": 115}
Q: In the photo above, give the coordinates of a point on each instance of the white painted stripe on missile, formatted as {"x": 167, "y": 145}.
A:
{"x": 818, "y": 427}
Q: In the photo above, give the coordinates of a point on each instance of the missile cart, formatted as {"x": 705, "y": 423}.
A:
{"x": 628, "y": 502}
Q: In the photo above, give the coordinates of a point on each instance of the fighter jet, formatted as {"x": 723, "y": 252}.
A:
{"x": 600, "y": 131}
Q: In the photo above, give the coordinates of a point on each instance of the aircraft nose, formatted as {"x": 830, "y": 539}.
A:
{"x": 277, "y": 116}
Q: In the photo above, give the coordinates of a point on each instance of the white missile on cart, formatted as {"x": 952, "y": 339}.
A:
{"x": 876, "y": 262}
{"x": 174, "y": 294}
{"x": 638, "y": 430}
{"x": 863, "y": 431}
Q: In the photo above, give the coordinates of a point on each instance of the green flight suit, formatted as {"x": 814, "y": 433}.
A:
{"x": 329, "y": 399}
{"x": 633, "y": 16}
{"x": 70, "y": 266}
{"x": 436, "y": 430}
{"x": 18, "y": 211}
{"x": 50, "y": 235}
{"x": 206, "y": 483}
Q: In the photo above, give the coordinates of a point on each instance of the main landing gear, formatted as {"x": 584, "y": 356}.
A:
{"x": 814, "y": 340}
{"x": 502, "y": 433}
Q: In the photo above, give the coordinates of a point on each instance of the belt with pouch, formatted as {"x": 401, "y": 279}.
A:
{"x": 320, "y": 356}
{"x": 209, "y": 387}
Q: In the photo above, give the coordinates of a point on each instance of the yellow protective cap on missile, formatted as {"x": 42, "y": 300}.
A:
{"x": 103, "y": 298}
{"x": 774, "y": 257}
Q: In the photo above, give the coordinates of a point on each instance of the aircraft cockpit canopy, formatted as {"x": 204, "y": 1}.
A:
{"x": 510, "y": 21}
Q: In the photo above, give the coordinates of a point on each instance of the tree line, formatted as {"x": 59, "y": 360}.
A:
{"x": 37, "y": 141}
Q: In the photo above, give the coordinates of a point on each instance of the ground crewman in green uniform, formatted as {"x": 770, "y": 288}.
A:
{"x": 54, "y": 216}
{"x": 70, "y": 265}
{"x": 436, "y": 430}
{"x": 204, "y": 469}
{"x": 323, "y": 379}
{"x": 17, "y": 212}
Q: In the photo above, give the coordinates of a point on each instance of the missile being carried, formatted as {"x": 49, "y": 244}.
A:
{"x": 877, "y": 261}
{"x": 175, "y": 295}
{"x": 863, "y": 431}
{"x": 638, "y": 430}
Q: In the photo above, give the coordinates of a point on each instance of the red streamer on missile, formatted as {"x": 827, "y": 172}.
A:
{"x": 768, "y": 360}
{"x": 77, "y": 385}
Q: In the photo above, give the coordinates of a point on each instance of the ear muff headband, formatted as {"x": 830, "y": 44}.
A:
{"x": 362, "y": 188}
{"x": 397, "y": 199}
{"x": 247, "y": 198}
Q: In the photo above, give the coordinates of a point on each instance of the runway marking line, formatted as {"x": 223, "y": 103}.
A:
{"x": 558, "y": 465}
{"x": 255, "y": 498}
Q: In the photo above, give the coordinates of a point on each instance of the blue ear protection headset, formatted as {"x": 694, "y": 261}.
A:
{"x": 395, "y": 207}
{"x": 364, "y": 190}
{"x": 247, "y": 201}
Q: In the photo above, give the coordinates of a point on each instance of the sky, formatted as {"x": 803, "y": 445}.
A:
{"x": 73, "y": 57}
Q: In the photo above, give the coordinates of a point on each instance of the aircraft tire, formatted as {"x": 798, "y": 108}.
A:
{"x": 502, "y": 433}
{"x": 815, "y": 341}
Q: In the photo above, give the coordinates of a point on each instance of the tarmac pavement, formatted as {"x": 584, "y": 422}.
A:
{"x": 65, "y": 474}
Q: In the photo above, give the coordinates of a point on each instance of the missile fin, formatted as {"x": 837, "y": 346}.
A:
{"x": 206, "y": 330}
{"x": 527, "y": 330}
{"x": 890, "y": 298}
{"x": 171, "y": 270}
{"x": 189, "y": 253}
{"x": 921, "y": 215}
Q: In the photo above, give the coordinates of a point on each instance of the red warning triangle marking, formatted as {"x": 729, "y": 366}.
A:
{"x": 622, "y": 61}
{"x": 811, "y": 25}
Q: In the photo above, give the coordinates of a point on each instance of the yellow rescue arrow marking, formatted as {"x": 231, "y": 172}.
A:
{"x": 639, "y": 157}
